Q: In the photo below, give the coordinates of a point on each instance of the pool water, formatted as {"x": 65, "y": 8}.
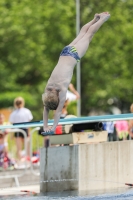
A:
{"x": 121, "y": 194}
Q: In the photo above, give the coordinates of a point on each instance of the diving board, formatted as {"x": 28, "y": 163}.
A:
{"x": 78, "y": 120}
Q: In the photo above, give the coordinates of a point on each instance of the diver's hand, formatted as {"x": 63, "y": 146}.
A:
{"x": 48, "y": 131}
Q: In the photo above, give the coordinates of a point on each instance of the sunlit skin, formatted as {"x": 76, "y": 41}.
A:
{"x": 3, "y": 133}
{"x": 63, "y": 71}
{"x": 130, "y": 125}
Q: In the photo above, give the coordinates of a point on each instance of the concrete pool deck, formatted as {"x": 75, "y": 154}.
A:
{"x": 19, "y": 190}
{"x": 15, "y": 194}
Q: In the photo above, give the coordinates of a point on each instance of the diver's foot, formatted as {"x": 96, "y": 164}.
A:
{"x": 104, "y": 16}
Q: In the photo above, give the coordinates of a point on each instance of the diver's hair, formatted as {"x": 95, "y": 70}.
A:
{"x": 19, "y": 102}
{"x": 131, "y": 108}
{"x": 50, "y": 100}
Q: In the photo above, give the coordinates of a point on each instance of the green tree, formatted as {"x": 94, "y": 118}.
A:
{"x": 32, "y": 35}
{"x": 108, "y": 61}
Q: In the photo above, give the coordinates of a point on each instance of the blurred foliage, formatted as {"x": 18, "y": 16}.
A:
{"x": 108, "y": 61}
{"x": 31, "y": 39}
{"x": 32, "y": 35}
{"x": 7, "y": 97}
{"x": 72, "y": 108}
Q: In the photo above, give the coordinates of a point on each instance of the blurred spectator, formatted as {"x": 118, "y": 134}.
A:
{"x": 69, "y": 97}
{"x": 122, "y": 130}
{"x": 21, "y": 114}
{"x": 5, "y": 161}
{"x": 130, "y": 125}
{"x": 109, "y": 127}
{"x": 64, "y": 109}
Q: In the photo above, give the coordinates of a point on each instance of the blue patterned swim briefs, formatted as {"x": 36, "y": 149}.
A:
{"x": 70, "y": 51}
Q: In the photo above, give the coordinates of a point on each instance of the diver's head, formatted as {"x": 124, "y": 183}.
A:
{"x": 51, "y": 99}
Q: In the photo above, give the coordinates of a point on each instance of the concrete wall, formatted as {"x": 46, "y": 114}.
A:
{"x": 99, "y": 166}
{"x": 59, "y": 163}
{"x": 102, "y": 166}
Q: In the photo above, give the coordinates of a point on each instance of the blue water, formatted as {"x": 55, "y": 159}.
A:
{"x": 113, "y": 195}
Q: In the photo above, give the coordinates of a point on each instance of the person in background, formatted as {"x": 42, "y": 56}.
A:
{"x": 130, "y": 124}
{"x": 21, "y": 114}
{"x": 76, "y": 96}
{"x": 5, "y": 161}
{"x": 122, "y": 130}
{"x": 109, "y": 127}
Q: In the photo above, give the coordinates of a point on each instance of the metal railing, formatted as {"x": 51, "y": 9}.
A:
{"x": 31, "y": 134}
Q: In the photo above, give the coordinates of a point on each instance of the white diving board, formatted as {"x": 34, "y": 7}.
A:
{"x": 78, "y": 120}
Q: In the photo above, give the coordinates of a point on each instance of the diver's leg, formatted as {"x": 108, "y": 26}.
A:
{"x": 83, "y": 44}
{"x": 84, "y": 29}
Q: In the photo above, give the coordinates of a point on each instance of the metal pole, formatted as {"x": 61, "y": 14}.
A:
{"x": 78, "y": 64}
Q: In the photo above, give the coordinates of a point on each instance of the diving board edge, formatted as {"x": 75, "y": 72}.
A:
{"x": 78, "y": 120}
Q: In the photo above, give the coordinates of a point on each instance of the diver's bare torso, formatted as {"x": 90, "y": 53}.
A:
{"x": 59, "y": 80}
{"x": 62, "y": 73}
